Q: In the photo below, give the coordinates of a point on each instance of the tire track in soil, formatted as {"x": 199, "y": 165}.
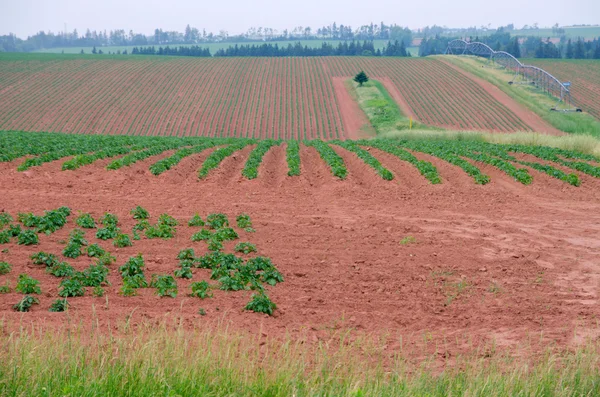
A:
{"x": 354, "y": 119}
{"x": 535, "y": 122}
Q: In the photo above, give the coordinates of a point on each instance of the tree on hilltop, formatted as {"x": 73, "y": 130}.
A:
{"x": 361, "y": 78}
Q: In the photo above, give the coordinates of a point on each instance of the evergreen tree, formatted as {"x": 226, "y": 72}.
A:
{"x": 579, "y": 51}
{"x": 569, "y": 52}
{"x": 361, "y": 78}
{"x": 94, "y": 50}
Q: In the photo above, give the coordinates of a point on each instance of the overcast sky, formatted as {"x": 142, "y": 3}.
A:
{"x": 26, "y": 17}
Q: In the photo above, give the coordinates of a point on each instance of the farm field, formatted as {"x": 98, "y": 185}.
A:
{"x": 434, "y": 245}
{"x": 280, "y": 98}
{"x": 584, "y": 76}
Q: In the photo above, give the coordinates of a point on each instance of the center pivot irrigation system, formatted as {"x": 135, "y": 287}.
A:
{"x": 524, "y": 74}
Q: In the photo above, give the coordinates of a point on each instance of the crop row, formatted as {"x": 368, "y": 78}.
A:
{"x": 514, "y": 160}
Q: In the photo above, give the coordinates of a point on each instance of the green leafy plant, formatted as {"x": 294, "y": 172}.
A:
{"x": 187, "y": 253}
{"x": 95, "y": 251}
{"x": 217, "y": 221}
{"x": 202, "y": 312}
{"x": 260, "y": 303}
{"x": 61, "y": 269}
{"x": 128, "y": 288}
{"x": 200, "y": 290}
{"x": 233, "y": 282}
{"x": 14, "y": 230}
{"x": 293, "y": 158}
{"x": 5, "y": 267}
{"x": 59, "y": 305}
{"x": 140, "y": 213}
{"x": 77, "y": 236}
{"x": 5, "y": 237}
{"x": 5, "y": 219}
{"x": 122, "y": 240}
{"x": 94, "y": 276}
{"x": 203, "y": 234}
{"x": 132, "y": 272}
{"x": 244, "y": 222}
{"x": 196, "y": 221}
{"x": 109, "y": 220}
{"x": 245, "y": 248}
{"x": 335, "y": 162}
{"x": 225, "y": 234}
{"x": 85, "y": 221}
{"x": 26, "y": 303}
{"x": 165, "y": 285}
{"x": 71, "y": 287}
{"x": 165, "y": 219}
{"x": 72, "y": 250}
{"x": 27, "y": 285}
{"x": 184, "y": 272}
{"x": 141, "y": 226}
{"x": 98, "y": 291}
{"x": 215, "y": 245}
{"x": 5, "y": 289}
{"x": 44, "y": 258}
{"x": 250, "y": 170}
{"x": 106, "y": 259}
{"x": 408, "y": 240}
{"x": 106, "y": 233}
{"x": 27, "y": 237}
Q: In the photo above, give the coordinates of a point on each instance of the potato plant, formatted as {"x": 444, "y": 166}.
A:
{"x": 28, "y": 237}
{"x": 245, "y": 248}
{"x": 71, "y": 287}
{"x": 202, "y": 235}
{"x": 5, "y": 267}
{"x": 5, "y": 219}
{"x": 5, "y": 289}
{"x": 140, "y": 213}
{"x": 260, "y": 303}
{"x": 61, "y": 269}
{"x": 86, "y": 221}
{"x": 28, "y": 285}
{"x": 95, "y": 251}
{"x": 122, "y": 240}
{"x": 200, "y": 290}
{"x": 44, "y": 258}
{"x": 165, "y": 285}
{"x": 26, "y": 303}
{"x": 217, "y": 221}
{"x": 59, "y": 305}
{"x": 196, "y": 221}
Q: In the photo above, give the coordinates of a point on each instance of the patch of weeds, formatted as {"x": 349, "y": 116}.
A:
{"x": 200, "y": 290}
{"x": 165, "y": 285}
{"x": 27, "y": 285}
{"x": 140, "y": 213}
{"x": 408, "y": 240}
{"x": 260, "y": 303}
{"x": 5, "y": 267}
{"x": 59, "y": 305}
{"x": 196, "y": 221}
{"x": 245, "y": 248}
{"x": 26, "y": 303}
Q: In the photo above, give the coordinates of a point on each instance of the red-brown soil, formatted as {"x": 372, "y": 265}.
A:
{"x": 402, "y": 104}
{"x": 355, "y": 120}
{"x": 502, "y": 262}
{"x": 534, "y": 121}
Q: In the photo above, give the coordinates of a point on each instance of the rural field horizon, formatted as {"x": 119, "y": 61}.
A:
{"x": 249, "y": 207}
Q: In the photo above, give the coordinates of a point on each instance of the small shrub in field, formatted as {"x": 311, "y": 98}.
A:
{"x": 187, "y": 253}
{"x": 5, "y": 267}
{"x": 109, "y": 220}
{"x": 27, "y": 237}
{"x": 260, "y": 303}
{"x": 122, "y": 240}
{"x": 217, "y": 221}
{"x": 85, "y": 221}
{"x": 243, "y": 221}
{"x": 4, "y": 237}
{"x": 71, "y": 287}
{"x": 59, "y": 305}
{"x": 203, "y": 234}
{"x": 62, "y": 269}
{"x": 245, "y": 248}
{"x": 215, "y": 245}
{"x": 95, "y": 251}
{"x": 5, "y": 219}
{"x": 26, "y": 303}
{"x": 196, "y": 221}
{"x": 140, "y": 213}
{"x": 98, "y": 292}
{"x": 225, "y": 234}
{"x": 165, "y": 285}
{"x": 106, "y": 233}
{"x": 200, "y": 290}
{"x": 72, "y": 250}
{"x": 27, "y": 285}
{"x": 106, "y": 259}
{"x": 5, "y": 289}
{"x": 44, "y": 258}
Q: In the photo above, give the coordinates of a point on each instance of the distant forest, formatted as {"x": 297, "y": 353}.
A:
{"x": 352, "y": 48}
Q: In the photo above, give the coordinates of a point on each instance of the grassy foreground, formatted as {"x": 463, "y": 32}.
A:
{"x": 170, "y": 361}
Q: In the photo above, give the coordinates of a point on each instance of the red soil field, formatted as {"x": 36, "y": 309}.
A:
{"x": 252, "y": 97}
{"x": 502, "y": 262}
{"x": 584, "y": 76}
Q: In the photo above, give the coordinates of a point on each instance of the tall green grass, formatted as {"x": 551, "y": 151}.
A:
{"x": 216, "y": 361}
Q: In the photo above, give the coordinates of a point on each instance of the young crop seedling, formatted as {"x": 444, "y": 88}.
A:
{"x": 217, "y": 221}
{"x": 26, "y": 303}
{"x": 184, "y": 271}
{"x": 243, "y": 222}
{"x": 5, "y": 219}
{"x": 215, "y": 245}
{"x": 44, "y": 258}
{"x": 98, "y": 292}
{"x": 196, "y": 221}
{"x": 14, "y": 230}
{"x": 86, "y": 221}
{"x": 187, "y": 254}
{"x": 106, "y": 259}
{"x": 245, "y": 248}
{"x": 165, "y": 285}
{"x": 408, "y": 240}
{"x": 140, "y": 213}
{"x": 62, "y": 269}
{"x": 225, "y": 234}
{"x": 128, "y": 288}
{"x": 93, "y": 276}
{"x": 5, "y": 267}
{"x": 5, "y": 237}
{"x": 122, "y": 240}
{"x": 202, "y": 312}
{"x": 59, "y": 305}
{"x": 95, "y": 251}
{"x": 202, "y": 235}
{"x": 72, "y": 250}
{"x": 164, "y": 228}
{"x": 28, "y": 237}
{"x": 27, "y": 285}
{"x": 260, "y": 303}
{"x": 109, "y": 220}
{"x": 5, "y": 289}
{"x": 132, "y": 272}
{"x": 200, "y": 290}
{"x": 71, "y": 287}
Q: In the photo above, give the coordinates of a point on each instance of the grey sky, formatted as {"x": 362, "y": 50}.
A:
{"x": 25, "y": 17}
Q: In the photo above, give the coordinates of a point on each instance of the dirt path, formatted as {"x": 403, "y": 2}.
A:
{"x": 534, "y": 121}
{"x": 355, "y": 120}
